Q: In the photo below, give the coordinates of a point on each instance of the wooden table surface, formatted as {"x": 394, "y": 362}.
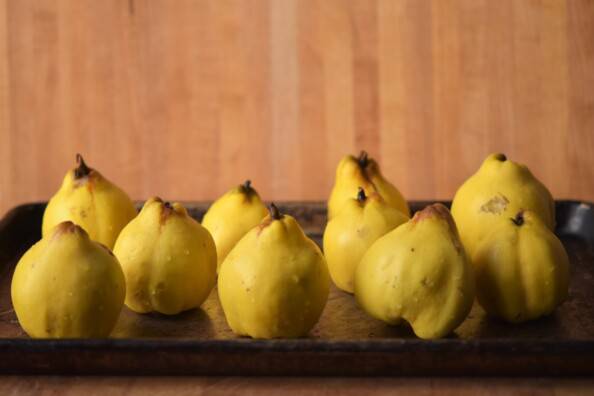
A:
{"x": 179, "y": 386}
{"x": 184, "y": 99}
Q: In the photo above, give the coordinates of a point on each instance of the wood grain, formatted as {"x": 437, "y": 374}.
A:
{"x": 128, "y": 386}
{"x": 185, "y": 99}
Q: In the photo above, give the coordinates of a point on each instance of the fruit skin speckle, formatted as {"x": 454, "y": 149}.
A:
{"x": 232, "y": 215}
{"x": 91, "y": 201}
{"x": 363, "y": 219}
{"x": 395, "y": 281}
{"x": 168, "y": 258}
{"x": 275, "y": 281}
{"x": 522, "y": 269}
{"x": 499, "y": 189}
{"x": 362, "y": 171}
{"x": 59, "y": 286}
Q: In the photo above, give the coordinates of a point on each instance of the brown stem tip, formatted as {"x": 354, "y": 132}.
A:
{"x": 82, "y": 170}
{"x": 166, "y": 211}
{"x": 501, "y": 157}
{"x": 274, "y": 212}
{"x": 247, "y": 185}
{"x": 67, "y": 227}
{"x": 363, "y": 159}
{"x": 519, "y": 219}
{"x": 361, "y": 197}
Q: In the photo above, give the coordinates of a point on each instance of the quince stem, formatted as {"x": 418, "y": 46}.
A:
{"x": 274, "y": 212}
{"x": 519, "y": 219}
{"x": 82, "y": 170}
{"x": 361, "y": 197}
{"x": 363, "y": 159}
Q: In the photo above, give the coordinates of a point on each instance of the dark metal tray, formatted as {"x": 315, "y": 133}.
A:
{"x": 345, "y": 341}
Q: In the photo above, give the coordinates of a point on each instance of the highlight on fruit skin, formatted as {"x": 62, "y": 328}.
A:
{"x": 499, "y": 189}
{"x": 68, "y": 286}
{"x": 362, "y": 171}
{"x": 362, "y": 220}
{"x": 232, "y": 215}
{"x": 274, "y": 283}
{"x": 522, "y": 269}
{"x": 90, "y": 200}
{"x": 169, "y": 259}
{"x": 419, "y": 272}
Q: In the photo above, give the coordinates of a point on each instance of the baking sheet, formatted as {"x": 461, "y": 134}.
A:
{"x": 345, "y": 341}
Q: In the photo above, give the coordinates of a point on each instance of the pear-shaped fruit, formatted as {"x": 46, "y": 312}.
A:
{"x": 499, "y": 189}
{"x": 168, "y": 258}
{"x": 418, "y": 272}
{"x": 522, "y": 269}
{"x": 348, "y": 235}
{"x": 68, "y": 286}
{"x": 362, "y": 172}
{"x": 231, "y": 216}
{"x": 88, "y": 199}
{"x": 274, "y": 283}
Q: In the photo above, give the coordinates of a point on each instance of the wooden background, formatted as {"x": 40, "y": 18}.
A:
{"x": 186, "y": 98}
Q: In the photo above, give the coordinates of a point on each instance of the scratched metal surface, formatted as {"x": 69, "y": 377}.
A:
{"x": 342, "y": 319}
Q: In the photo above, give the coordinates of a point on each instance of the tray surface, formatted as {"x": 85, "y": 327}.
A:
{"x": 199, "y": 340}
